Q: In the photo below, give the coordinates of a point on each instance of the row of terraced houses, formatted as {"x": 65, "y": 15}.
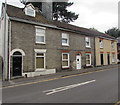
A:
{"x": 36, "y": 45}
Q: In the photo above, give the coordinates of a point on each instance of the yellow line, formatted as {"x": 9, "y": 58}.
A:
{"x": 29, "y": 83}
{"x": 117, "y": 103}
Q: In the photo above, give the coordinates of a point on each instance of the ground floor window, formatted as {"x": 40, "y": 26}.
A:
{"x": 113, "y": 58}
{"x": 88, "y": 59}
{"x": 40, "y": 60}
{"x": 65, "y": 60}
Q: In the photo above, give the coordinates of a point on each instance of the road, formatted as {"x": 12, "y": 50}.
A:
{"x": 97, "y": 87}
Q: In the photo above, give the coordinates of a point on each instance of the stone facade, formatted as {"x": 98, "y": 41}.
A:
{"x": 23, "y": 37}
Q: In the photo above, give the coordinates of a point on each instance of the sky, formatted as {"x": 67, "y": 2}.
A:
{"x": 100, "y": 14}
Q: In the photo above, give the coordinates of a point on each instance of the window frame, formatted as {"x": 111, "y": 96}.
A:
{"x": 88, "y": 59}
{"x": 87, "y": 46}
{"x": 66, "y": 36}
{"x": 102, "y": 43}
{"x": 113, "y": 59}
{"x": 40, "y": 51}
{"x": 112, "y": 45}
{"x": 42, "y": 28}
{"x": 66, "y": 60}
{"x": 29, "y": 8}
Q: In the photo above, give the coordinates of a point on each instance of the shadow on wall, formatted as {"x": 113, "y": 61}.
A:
{"x": 1, "y": 67}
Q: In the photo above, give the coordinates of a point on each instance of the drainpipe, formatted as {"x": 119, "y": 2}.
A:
{"x": 4, "y": 49}
{"x": 94, "y": 52}
{"x": 9, "y": 49}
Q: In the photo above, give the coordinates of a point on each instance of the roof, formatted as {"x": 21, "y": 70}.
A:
{"x": 83, "y": 31}
{"x": 17, "y": 12}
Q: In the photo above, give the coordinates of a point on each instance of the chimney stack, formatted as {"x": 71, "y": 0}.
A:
{"x": 47, "y": 10}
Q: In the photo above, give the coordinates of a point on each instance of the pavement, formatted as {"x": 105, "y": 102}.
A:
{"x": 99, "y": 86}
{"x": 58, "y": 75}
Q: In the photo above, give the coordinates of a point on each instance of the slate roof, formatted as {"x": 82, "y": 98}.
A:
{"x": 17, "y": 12}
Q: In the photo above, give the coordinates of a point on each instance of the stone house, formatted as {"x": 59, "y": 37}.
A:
{"x": 106, "y": 50}
{"x": 118, "y": 47}
{"x": 35, "y": 45}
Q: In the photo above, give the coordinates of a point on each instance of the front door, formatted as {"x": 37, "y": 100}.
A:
{"x": 17, "y": 65}
{"x": 78, "y": 62}
{"x": 108, "y": 55}
{"x": 102, "y": 59}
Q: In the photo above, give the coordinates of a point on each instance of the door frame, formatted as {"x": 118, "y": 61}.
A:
{"x": 79, "y": 61}
{"x": 108, "y": 55}
{"x": 11, "y": 55}
{"x": 21, "y": 64}
{"x": 101, "y": 59}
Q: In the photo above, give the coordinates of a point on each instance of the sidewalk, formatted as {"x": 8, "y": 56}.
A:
{"x": 51, "y": 76}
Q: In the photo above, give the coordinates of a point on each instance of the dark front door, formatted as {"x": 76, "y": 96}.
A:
{"x": 108, "y": 55}
{"x": 102, "y": 59}
{"x": 17, "y": 65}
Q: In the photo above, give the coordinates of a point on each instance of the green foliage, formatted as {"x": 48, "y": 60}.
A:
{"x": 115, "y": 32}
{"x": 60, "y": 12}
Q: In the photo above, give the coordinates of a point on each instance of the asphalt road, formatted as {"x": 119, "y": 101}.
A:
{"x": 98, "y": 87}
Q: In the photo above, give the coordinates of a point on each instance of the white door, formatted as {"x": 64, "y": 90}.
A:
{"x": 78, "y": 62}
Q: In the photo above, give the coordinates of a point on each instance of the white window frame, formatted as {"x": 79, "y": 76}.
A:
{"x": 29, "y": 8}
{"x": 65, "y": 36}
{"x": 90, "y": 59}
{"x": 113, "y": 58}
{"x": 44, "y": 53}
{"x": 101, "y": 43}
{"x": 66, "y": 60}
{"x": 113, "y": 45}
{"x": 87, "y": 39}
{"x": 37, "y": 34}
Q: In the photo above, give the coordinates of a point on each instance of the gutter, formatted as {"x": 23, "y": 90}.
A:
{"x": 54, "y": 27}
{"x": 9, "y": 50}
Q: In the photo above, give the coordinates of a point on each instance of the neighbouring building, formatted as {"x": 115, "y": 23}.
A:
{"x": 106, "y": 50}
{"x": 36, "y": 45}
{"x": 118, "y": 47}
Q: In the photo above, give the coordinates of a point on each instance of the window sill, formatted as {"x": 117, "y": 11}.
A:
{"x": 65, "y": 67}
{"x": 40, "y": 43}
{"x": 65, "y": 45}
{"x": 88, "y": 47}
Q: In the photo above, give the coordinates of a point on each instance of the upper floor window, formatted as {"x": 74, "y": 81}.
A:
{"x": 40, "y": 35}
{"x": 29, "y": 10}
{"x": 101, "y": 43}
{"x": 87, "y": 40}
{"x": 65, "y": 39}
{"x": 112, "y": 45}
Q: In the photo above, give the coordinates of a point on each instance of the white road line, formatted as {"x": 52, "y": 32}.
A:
{"x": 52, "y": 91}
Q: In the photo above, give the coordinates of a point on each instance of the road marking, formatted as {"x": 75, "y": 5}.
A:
{"x": 30, "y": 83}
{"x": 52, "y": 91}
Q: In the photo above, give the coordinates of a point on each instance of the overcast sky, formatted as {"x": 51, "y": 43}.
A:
{"x": 100, "y": 14}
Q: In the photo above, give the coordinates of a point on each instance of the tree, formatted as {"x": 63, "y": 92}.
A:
{"x": 115, "y": 32}
{"x": 94, "y": 29}
{"x": 60, "y": 12}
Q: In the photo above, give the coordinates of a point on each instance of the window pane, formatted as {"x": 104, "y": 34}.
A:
{"x": 87, "y": 57}
{"x": 87, "y": 61}
{"x": 64, "y": 41}
{"x": 65, "y": 63}
{"x": 40, "y": 31}
{"x": 39, "y": 62}
{"x": 40, "y": 54}
{"x": 65, "y": 56}
{"x": 39, "y": 38}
